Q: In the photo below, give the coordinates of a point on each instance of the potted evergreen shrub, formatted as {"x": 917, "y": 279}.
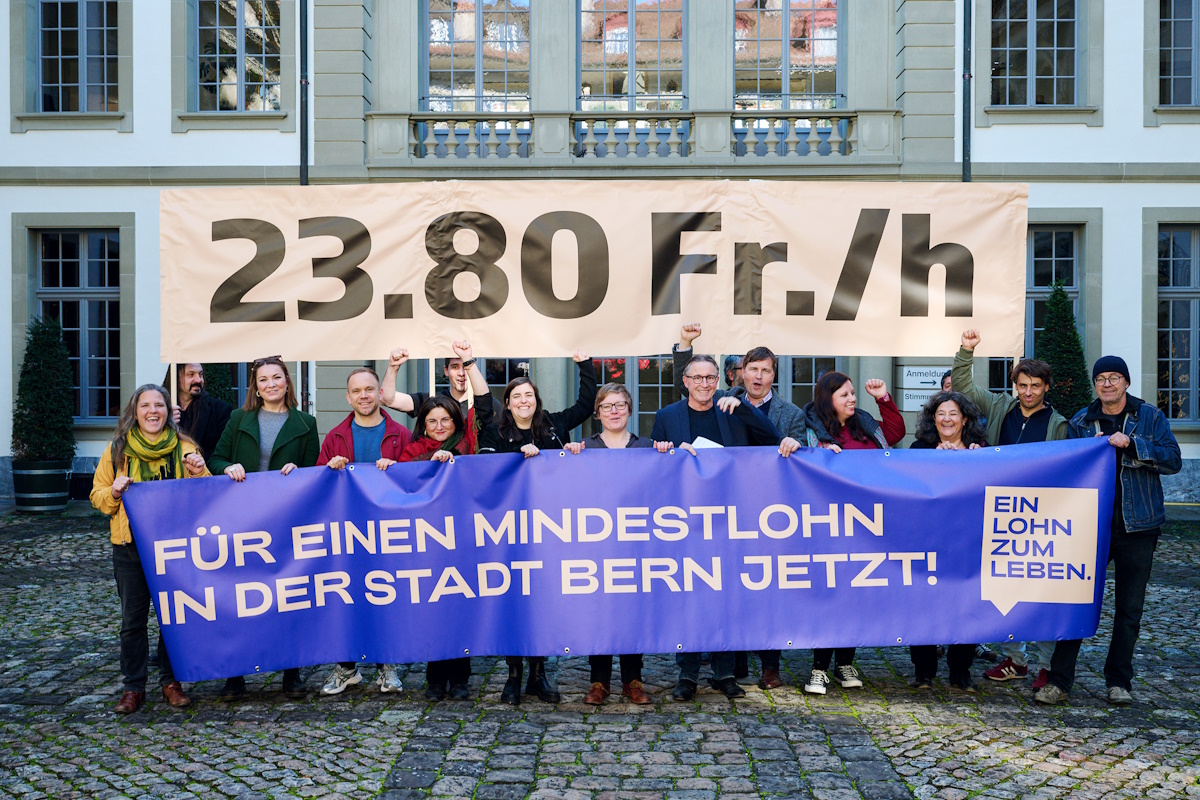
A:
{"x": 43, "y": 441}
{"x": 1058, "y": 345}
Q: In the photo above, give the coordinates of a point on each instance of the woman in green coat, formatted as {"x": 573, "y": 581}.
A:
{"x": 267, "y": 433}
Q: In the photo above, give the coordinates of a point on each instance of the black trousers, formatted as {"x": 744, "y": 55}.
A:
{"x": 959, "y": 658}
{"x": 631, "y": 668}
{"x": 452, "y": 671}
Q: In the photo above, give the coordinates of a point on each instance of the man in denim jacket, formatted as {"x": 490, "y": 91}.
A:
{"x": 1146, "y": 448}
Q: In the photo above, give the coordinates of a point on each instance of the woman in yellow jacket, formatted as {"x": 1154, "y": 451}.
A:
{"x": 146, "y": 447}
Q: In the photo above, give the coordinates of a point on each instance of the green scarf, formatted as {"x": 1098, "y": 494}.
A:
{"x": 153, "y": 461}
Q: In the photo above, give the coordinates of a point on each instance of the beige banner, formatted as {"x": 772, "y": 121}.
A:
{"x": 543, "y": 268}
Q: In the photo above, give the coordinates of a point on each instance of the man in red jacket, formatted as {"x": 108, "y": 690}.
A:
{"x": 366, "y": 435}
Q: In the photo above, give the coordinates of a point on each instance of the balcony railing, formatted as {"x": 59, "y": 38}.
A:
{"x": 634, "y": 137}
{"x": 631, "y": 134}
{"x": 823, "y": 133}
{"x": 482, "y": 135}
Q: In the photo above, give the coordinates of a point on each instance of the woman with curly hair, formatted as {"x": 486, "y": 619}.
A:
{"x": 949, "y": 421}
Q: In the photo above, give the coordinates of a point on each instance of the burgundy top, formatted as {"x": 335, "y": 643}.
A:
{"x": 892, "y": 424}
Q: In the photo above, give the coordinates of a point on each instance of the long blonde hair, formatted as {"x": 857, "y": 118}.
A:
{"x": 128, "y": 421}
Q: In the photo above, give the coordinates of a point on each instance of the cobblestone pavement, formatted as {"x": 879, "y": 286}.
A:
{"x": 59, "y": 738}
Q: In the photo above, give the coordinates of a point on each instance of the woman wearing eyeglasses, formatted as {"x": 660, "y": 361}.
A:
{"x": 268, "y": 432}
{"x": 440, "y": 434}
{"x": 525, "y": 427}
{"x": 614, "y": 405}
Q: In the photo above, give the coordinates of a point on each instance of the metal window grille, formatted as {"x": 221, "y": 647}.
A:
{"x": 78, "y": 285}
{"x": 1178, "y": 73}
{"x": 1051, "y": 255}
{"x": 78, "y": 56}
{"x": 787, "y": 57}
{"x": 1178, "y": 311}
{"x": 238, "y": 52}
{"x": 477, "y": 58}
{"x": 1034, "y": 55}
{"x": 631, "y": 56}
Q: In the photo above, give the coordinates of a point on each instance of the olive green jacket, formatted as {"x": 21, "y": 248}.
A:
{"x": 995, "y": 405}
{"x": 297, "y": 442}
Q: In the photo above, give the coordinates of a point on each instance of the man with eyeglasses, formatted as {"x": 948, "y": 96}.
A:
{"x": 370, "y": 436}
{"x": 756, "y": 380}
{"x": 1145, "y": 449}
{"x": 729, "y": 423}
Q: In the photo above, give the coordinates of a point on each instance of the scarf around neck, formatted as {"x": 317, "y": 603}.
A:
{"x": 152, "y": 461}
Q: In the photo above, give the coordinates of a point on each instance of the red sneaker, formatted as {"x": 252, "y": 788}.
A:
{"x": 1006, "y": 670}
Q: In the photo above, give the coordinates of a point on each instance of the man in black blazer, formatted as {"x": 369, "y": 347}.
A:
{"x": 730, "y": 423}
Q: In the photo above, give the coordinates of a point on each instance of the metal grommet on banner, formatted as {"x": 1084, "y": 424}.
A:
{"x": 789, "y": 642}
{"x": 256, "y": 668}
{"x": 466, "y": 652}
{"x": 350, "y": 467}
{"x": 997, "y": 449}
{"x": 671, "y": 451}
{"x": 562, "y": 453}
{"x": 678, "y": 647}
{"x": 1010, "y": 637}
{"x": 566, "y": 650}
{"x": 364, "y": 657}
{"x": 899, "y": 639}
{"x": 887, "y": 453}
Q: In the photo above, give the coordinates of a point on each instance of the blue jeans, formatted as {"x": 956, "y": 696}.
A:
{"x": 135, "y": 609}
{"x": 1133, "y": 556}
{"x": 689, "y": 666}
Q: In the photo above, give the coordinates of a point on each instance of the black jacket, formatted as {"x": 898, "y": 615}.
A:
{"x": 204, "y": 420}
{"x": 492, "y": 440}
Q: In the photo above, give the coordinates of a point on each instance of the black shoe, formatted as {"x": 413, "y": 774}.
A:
{"x": 684, "y": 691}
{"x": 728, "y": 687}
{"x": 459, "y": 691}
{"x": 435, "y": 694}
{"x": 512, "y": 687}
{"x": 923, "y": 682}
{"x": 234, "y": 688}
{"x": 293, "y": 685}
{"x": 539, "y": 685}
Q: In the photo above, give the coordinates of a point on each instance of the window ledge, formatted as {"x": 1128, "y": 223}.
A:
{"x": 1184, "y": 425}
{"x": 1175, "y": 114}
{"x": 96, "y": 423}
{"x": 73, "y": 121}
{"x": 1033, "y": 115}
{"x": 233, "y": 120}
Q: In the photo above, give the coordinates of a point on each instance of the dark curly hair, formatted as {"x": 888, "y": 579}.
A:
{"x": 822, "y": 403}
{"x": 972, "y": 433}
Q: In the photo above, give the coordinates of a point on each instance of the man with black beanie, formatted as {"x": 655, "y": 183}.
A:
{"x": 1145, "y": 449}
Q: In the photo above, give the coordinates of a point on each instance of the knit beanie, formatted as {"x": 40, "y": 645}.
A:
{"x": 1111, "y": 364}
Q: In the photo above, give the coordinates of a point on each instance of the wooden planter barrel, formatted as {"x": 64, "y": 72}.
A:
{"x": 41, "y": 486}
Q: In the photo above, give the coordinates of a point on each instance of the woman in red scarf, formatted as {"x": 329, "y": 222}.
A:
{"x": 440, "y": 434}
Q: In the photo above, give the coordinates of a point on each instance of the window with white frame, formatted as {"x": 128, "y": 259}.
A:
{"x": 238, "y": 55}
{"x": 1034, "y": 55}
{"x": 786, "y": 54}
{"x": 78, "y": 285}
{"x": 477, "y": 57}
{"x": 631, "y": 56}
{"x": 1178, "y": 315}
{"x": 1052, "y": 255}
{"x": 78, "y": 56}
{"x": 1178, "y": 32}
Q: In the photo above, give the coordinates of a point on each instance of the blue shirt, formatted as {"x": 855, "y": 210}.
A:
{"x": 368, "y": 442}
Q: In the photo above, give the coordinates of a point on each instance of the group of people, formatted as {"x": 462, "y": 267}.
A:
{"x": 204, "y": 436}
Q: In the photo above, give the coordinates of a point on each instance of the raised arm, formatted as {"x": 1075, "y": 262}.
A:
{"x": 387, "y": 390}
{"x": 585, "y": 403}
{"x": 681, "y": 354}
{"x": 479, "y": 386}
{"x": 962, "y": 378}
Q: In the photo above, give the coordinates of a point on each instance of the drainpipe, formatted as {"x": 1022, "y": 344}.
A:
{"x": 305, "y": 383}
{"x": 966, "y": 92}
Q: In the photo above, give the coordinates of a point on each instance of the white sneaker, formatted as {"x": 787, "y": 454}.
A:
{"x": 340, "y": 678}
{"x": 817, "y": 682}
{"x": 848, "y": 677}
{"x": 388, "y": 680}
